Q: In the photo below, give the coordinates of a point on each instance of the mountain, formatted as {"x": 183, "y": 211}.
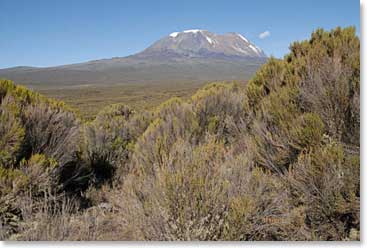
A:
{"x": 195, "y": 55}
{"x": 203, "y": 44}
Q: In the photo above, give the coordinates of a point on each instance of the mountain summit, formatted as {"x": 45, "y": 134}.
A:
{"x": 203, "y": 44}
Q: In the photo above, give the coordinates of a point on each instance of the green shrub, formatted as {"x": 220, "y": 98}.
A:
{"x": 11, "y": 181}
{"x": 39, "y": 171}
{"x": 175, "y": 120}
{"x": 220, "y": 107}
{"x": 34, "y": 179}
{"x": 328, "y": 68}
{"x": 185, "y": 198}
{"x": 271, "y": 130}
{"x": 37, "y": 125}
{"x": 320, "y": 77}
{"x": 51, "y": 131}
{"x": 11, "y": 135}
{"x": 106, "y": 142}
{"x": 325, "y": 181}
{"x": 307, "y": 132}
{"x": 269, "y": 78}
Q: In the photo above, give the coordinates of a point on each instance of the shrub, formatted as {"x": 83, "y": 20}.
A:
{"x": 325, "y": 182}
{"x": 307, "y": 132}
{"x": 51, "y": 131}
{"x": 269, "y": 78}
{"x": 37, "y": 125}
{"x": 319, "y": 77}
{"x": 106, "y": 142}
{"x": 49, "y": 127}
{"x": 11, "y": 134}
{"x": 175, "y": 120}
{"x": 271, "y": 129}
{"x": 328, "y": 68}
{"x": 220, "y": 108}
{"x": 34, "y": 176}
{"x": 184, "y": 199}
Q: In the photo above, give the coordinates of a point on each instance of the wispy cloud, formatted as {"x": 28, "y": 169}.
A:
{"x": 265, "y": 34}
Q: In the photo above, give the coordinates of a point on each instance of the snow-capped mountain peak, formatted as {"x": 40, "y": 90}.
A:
{"x": 193, "y": 31}
{"x": 202, "y": 43}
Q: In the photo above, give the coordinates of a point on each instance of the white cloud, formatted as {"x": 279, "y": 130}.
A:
{"x": 265, "y": 34}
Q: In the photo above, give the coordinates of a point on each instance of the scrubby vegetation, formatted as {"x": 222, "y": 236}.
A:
{"x": 276, "y": 159}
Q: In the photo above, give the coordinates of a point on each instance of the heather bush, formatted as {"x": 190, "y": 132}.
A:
{"x": 33, "y": 176}
{"x": 221, "y": 108}
{"x": 330, "y": 80}
{"x": 11, "y": 134}
{"x": 184, "y": 199}
{"x": 106, "y": 141}
{"x": 50, "y": 130}
{"x": 325, "y": 181}
{"x": 35, "y": 124}
{"x": 174, "y": 120}
{"x": 275, "y": 119}
{"x": 319, "y": 76}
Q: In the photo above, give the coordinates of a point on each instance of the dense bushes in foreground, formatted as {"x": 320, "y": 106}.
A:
{"x": 276, "y": 159}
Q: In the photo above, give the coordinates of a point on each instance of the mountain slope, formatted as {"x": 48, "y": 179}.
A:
{"x": 195, "y": 55}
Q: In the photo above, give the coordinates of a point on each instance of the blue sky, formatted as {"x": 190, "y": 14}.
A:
{"x": 47, "y": 33}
